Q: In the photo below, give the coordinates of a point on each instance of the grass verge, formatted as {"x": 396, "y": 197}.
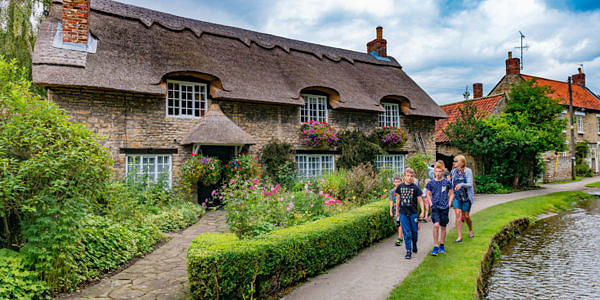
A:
{"x": 454, "y": 275}
{"x": 594, "y": 184}
{"x": 578, "y": 178}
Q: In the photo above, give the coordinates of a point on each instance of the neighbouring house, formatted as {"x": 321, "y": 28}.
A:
{"x": 157, "y": 87}
{"x": 586, "y": 114}
{"x": 486, "y": 106}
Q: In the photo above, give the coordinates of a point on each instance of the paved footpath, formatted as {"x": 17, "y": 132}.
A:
{"x": 375, "y": 271}
{"x": 161, "y": 274}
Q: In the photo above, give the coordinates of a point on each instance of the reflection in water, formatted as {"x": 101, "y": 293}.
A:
{"x": 557, "y": 258}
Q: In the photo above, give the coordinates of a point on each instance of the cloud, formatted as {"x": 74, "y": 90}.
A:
{"x": 443, "y": 45}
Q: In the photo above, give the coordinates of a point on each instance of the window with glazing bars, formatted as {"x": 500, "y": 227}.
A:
{"x": 314, "y": 109}
{"x": 149, "y": 168}
{"x": 392, "y": 161}
{"x": 313, "y": 165}
{"x": 579, "y": 120}
{"x": 391, "y": 115}
{"x": 186, "y": 99}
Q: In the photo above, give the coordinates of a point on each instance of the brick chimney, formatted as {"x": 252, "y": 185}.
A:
{"x": 75, "y": 21}
{"x": 513, "y": 65}
{"x": 579, "y": 78}
{"x": 378, "y": 45}
{"x": 477, "y": 90}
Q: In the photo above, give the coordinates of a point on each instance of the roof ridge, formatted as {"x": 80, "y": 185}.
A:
{"x": 148, "y": 17}
{"x": 478, "y": 99}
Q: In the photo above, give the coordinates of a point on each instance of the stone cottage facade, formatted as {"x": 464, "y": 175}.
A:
{"x": 586, "y": 114}
{"x": 143, "y": 80}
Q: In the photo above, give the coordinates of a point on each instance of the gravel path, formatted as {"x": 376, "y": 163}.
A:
{"x": 161, "y": 274}
{"x": 375, "y": 271}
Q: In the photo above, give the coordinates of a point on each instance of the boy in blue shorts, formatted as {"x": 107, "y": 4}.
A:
{"x": 397, "y": 181}
{"x": 440, "y": 194}
{"x": 407, "y": 195}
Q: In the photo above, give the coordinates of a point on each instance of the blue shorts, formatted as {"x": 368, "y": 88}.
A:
{"x": 439, "y": 215}
{"x": 462, "y": 205}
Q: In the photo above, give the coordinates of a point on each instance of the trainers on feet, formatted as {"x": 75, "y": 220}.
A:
{"x": 399, "y": 242}
{"x": 435, "y": 251}
{"x": 414, "y": 248}
{"x": 442, "y": 249}
{"x": 408, "y": 255}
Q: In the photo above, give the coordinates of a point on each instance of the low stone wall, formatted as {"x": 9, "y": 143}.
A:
{"x": 556, "y": 170}
{"x": 498, "y": 241}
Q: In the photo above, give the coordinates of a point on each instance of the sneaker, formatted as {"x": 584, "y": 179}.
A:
{"x": 408, "y": 255}
{"x": 435, "y": 251}
{"x": 442, "y": 249}
{"x": 399, "y": 242}
{"x": 414, "y": 248}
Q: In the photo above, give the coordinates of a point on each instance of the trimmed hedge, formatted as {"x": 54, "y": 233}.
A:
{"x": 221, "y": 265}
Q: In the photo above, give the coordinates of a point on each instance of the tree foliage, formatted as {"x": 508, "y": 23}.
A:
{"x": 356, "y": 149}
{"x": 509, "y": 145}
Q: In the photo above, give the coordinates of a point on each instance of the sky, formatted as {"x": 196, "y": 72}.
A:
{"x": 445, "y": 46}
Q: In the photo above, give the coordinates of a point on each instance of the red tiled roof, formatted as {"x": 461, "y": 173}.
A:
{"x": 485, "y": 105}
{"x": 581, "y": 97}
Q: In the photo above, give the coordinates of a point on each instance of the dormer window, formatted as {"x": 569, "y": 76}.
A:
{"x": 315, "y": 108}
{"x": 186, "y": 99}
{"x": 391, "y": 115}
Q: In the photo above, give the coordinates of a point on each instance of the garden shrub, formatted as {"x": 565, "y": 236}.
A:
{"x": 177, "y": 216}
{"x": 582, "y": 149}
{"x": 277, "y": 159}
{"x": 198, "y": 169}
{"x": 356, "y": 148}
{"x": 487, "y": 184}
{"x": 17, "y": 280}
{"x": 223, "y": 266}
{"x": 361, "y": 185}
{"x": 419, "y": 163}
{"x": 243, "y": 166}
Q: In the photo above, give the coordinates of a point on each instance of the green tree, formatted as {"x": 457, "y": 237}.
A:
{"x": 357, "y": 148}
{"x": 509, "y": 145}
{"x": 19, "y": 22}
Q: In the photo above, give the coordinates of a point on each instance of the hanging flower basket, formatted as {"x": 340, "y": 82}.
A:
{"x": 244, "y": 165}
{"x": 206, "y": 170}
{"x": 318, "y": 135}
{"x": 389, "y": 136}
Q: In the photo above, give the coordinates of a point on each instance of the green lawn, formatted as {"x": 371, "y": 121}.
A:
{"x": 577, "y": 178}
{"x": 454, "y": 275}
{"x": 595, "y": 184}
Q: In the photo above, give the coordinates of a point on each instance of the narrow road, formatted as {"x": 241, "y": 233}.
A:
{"x": 161, "y": 274}
{"x": 374, "y": 272}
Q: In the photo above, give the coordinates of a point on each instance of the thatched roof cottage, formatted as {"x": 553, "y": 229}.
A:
{"x": 144, "y": 81}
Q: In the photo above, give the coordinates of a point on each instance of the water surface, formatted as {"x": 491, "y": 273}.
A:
{"x": 556, "y": 258}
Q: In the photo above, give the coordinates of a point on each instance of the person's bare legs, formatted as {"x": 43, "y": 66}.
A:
{"x": 442, "y": 235}
{"x": 400, "y": 232}
{"x": 436, "y": 228}
{"x": 458, "y": 214}
{"x": 469, "y": 222}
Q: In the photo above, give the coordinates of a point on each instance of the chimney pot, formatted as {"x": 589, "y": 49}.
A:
{"x": 477, "y": 90}
{"x": 509, "y": 54}
{"x": 75, "y": 16}
{"x": 379, "y": 32}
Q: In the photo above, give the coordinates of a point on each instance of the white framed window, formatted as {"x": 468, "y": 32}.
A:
{"x": 313, "y": 165}
{"x": 392, "y": 161}
{"x": 186, "y": 99}
{"x": 391, "y": 115}
{"x": 579, "y": 120}
{"x": 314, "y": 109}
{"x": 148, "y": 167}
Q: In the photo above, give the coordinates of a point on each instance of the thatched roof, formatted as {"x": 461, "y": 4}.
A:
{"x": 138, "y": 48}
{"x": 217, "y": 129}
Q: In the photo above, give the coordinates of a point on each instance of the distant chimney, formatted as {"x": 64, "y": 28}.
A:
{"x": 75, "y": 21}
{"x": 378, "y": 45}
{"x": 579, "y": 78}
{"x": 477, "y": 90}
{"x": 513, "y": 65}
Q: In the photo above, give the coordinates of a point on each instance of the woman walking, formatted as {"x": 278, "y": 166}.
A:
{"x": 462, "y": 181}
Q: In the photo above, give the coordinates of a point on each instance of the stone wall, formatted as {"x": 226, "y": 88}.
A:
{"x": 556, "y": 169}
{"x": 130, "y": 120}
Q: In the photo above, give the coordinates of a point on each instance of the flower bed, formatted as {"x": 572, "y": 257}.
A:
{"x": 318, "y": 134}
{"x": 222, "y": 265}
{"x": 389, "y": 136}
